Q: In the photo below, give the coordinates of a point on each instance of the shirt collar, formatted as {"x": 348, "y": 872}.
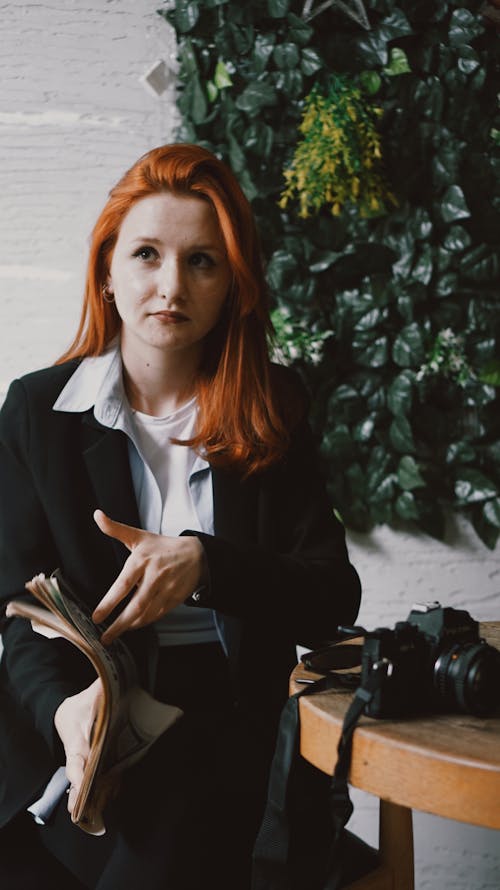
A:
{"x": 97, "y": 383}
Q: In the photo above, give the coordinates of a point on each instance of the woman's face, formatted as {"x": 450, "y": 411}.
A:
{"x": 169, "y": 274}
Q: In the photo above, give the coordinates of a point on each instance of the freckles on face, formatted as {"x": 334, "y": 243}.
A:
{"x": 169, "y": 271}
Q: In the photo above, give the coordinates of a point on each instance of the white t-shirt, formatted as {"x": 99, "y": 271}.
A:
{"x": 171, "y": 466}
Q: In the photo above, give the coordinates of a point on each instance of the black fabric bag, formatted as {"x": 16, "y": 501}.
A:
{"x": 303, "y": 843}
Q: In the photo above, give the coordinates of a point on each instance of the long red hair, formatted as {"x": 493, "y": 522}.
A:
{"x": 240, "y": 421}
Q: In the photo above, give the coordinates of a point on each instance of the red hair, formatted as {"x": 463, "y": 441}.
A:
{"x": 240, "y": 422}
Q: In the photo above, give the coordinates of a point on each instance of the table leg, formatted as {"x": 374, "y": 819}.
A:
{"x": 396, "y": 843}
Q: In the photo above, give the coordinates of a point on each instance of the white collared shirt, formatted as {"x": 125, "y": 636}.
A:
{"x": 187, "y": 502}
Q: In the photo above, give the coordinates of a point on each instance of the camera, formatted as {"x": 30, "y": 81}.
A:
{"x": 435, "y": 660}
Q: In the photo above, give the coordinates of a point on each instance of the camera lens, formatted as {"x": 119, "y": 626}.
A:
{"x": 467, "y": 678}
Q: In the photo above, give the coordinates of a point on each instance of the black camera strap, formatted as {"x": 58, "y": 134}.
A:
{"x": 271, "y": 857}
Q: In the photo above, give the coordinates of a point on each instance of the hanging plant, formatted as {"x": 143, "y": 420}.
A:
{"x": 338, "y": 161}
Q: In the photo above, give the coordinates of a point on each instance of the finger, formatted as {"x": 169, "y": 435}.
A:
{"x": 127, "y": 534}
{"x": 128, "y": 578}
{"x": 141, "y": 610}
{"x": 75, "y": 767}
{"x": 134, "y": 616}
{"x": 72, "y": 795}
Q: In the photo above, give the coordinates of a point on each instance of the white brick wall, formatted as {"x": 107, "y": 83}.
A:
{"x": 73, "y": 116}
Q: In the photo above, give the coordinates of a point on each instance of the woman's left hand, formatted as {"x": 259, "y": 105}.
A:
{"x": 164, "y": 571}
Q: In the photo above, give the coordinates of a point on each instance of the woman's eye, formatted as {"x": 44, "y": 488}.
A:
{"x": 201, "y": 261}
{"x": 146, "y": 253}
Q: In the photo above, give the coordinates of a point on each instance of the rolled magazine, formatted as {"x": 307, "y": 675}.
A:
{"x": 128, "y": 719}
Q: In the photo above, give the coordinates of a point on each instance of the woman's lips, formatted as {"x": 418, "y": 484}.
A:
{"x": 170, "y": 317}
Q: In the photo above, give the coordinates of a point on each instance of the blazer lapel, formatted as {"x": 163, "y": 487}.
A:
{"x": 235, "y": 506}
{"x": 105, "y": 452}
{"x": 235, "y": 519}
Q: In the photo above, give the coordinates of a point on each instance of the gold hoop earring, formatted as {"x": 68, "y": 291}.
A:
{"x": 107, "y": 297}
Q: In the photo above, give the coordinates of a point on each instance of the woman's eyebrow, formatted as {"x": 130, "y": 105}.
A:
{"x": 145, "y": 239}
{"x": 142, "y": 238}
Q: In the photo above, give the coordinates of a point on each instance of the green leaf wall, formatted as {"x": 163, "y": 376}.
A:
{"x": 399, "y": 442}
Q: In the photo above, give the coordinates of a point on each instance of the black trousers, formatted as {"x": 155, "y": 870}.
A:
{"x": 187, "y": 815}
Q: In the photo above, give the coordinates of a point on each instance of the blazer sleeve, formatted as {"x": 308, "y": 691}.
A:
{"x": 40, "y": 672}
{"x": 297, "y": 577}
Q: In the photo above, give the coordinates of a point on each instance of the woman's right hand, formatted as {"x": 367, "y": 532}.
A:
{"x": 74, "y": 720}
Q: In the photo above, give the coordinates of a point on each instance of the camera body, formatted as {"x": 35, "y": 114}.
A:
{"x": 435, "y": 660}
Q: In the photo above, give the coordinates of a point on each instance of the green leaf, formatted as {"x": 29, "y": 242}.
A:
{"x": 290, "y": 82}
{"x": 381, "y": 512}
{"x": 422, "y": 270}
{"x": 398, "y": 63}
{"x": 491, "y": 511}
{"x": 401, "y": 435}
{"x": 281, "y": 263}
{"x": 371, "y": 82}
{"x": 187, "y": 58}
{"x": 464, "y": 27}
{"x": 323, "y": 260}
{"x": 299, "y": 30}
{"x": 263, "y": 48}
{"x": 212, "y": 91}
{"x": 374, "y": 355}
{"x": 406, "y": 506}
{"x": 247, "y": 184}
{"x": 396, "y": 25}
{"x": 222, "y": 78}
{"x": 356, "y": 478}
{"x": 453, "y": 205}
{"x": 370, "y": 320}
{"x": 259, "y": 137}
{"x": 468, "y": 60}
{"x": 278, "y": 9}
{"x": 472, "y": 486}
{"x": 194, "y": 98}
{"x": 363, "y": 430}
{"x": 408, "y": 350}
{"x": 446, "y": 284}
{"x": 373, "y": 50}
{"x": 337, "y": 442}
{"x": 481, "y": 263}
{"x": 286, "y": 55}
{"x": 399, "y": 395}
{"x": 457, "y": 239}
{"x": 409, "y": 476}
{"x": 255, "y": 97}
{"x": 460, "y": 452}
{"x": 420, "y": 224}
{"x": 186, "y": 15}
{"x": 311, "y": 61}
{"x": 385, "y": 489}
{"x": 237, "y": 157}
{"x": 405, "y": 307}
{"x": 487, "y": 532}
{"x": 490, "y": 372}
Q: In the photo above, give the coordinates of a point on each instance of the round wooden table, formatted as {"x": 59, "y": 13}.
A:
{"x": 445, "y": 764}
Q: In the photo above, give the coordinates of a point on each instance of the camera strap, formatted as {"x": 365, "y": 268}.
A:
{"x": 286, "y": 810}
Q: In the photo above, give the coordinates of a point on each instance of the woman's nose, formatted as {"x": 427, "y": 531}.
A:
{"x": 171, "y": 279}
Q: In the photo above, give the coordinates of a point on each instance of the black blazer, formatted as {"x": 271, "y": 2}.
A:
{"x": 278, "y": 567}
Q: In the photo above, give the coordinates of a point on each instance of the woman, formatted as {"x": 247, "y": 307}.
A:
{"x": 165, "y": 465}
